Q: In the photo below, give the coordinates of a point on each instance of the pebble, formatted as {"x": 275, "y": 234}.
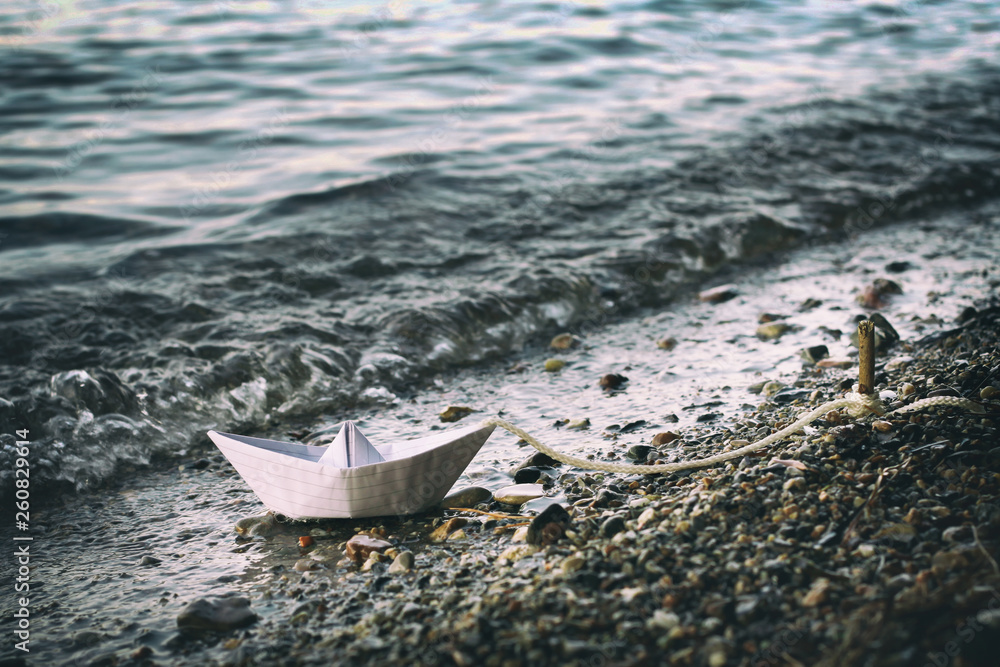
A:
{"x": 773, "y": 330}
{"x": 549, "y": 526}
{"x": 148, "y": 561}
{"x": 216, "y": 613}
{"x": 771, "y": 388}
{"x": 517, "y": 552}
{"x": 612, "y": 526}
{"x": 906, "y": 389}
{"x": 564, "y": 341}
{"x": 957, "y": 534}
{"x": 454, "y": 413}
{"x": 527, "y": 476}
{"x": 882, "y": 426}
{"x": 305, "y": 565}
{"x": 403, "y": 562}
{"x": 718, "y": 294}
{"x": 876, "y": 294}
{"x": 361, "y": 546}
{"x": 664, "y": 438}
{"x": 572, "y": 564}
{"x": 554, "y": 365}
{"x": 663, "y": 620}
{"x": 898, "y": 363}
{"x": 794, "y": 484}
{"x": 639, "y": 452}
{"x": 989, "y": 392}
{"x": 374, "y": 558}
{"x": 666, "y": 343}
{"x": 578, "y": 424}
{"x": 814, "y": 354}
{"x": 536, "y": 460}
{"x": 467, "y": 497}
{"x": 790, "y": 394}
{"x": 442, "y": 532}
{"x": 834, "y": 363}
{"x": 647, "y": 517}
{"x": 518, "y": 494}
{"x": 817, "y": 593}
{"x": 612, "y": 381}
{"x": 257, "y": 526}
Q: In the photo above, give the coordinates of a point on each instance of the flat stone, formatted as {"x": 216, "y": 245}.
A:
{"x": 790, "y": 394}
{"x": 453, "y": 413}
{"x": 809, "y": 304}
{"x": 361, "y": 546}
{"x": 519, "y": 494}
{"x": 834, "y": 363}
{"x": 467, "y": 497}
{"x": 718, "y": 294}
{"x": 216, "y": 613}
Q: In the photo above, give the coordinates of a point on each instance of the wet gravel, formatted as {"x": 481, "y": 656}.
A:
{"x": 869, "y": 542}
{"x": 862, "y": 542}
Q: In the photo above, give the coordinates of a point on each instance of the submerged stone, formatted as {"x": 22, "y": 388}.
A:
{"x": 467, "y": 497}
{"x": 216, "y": 614}
{"x": 518, "y": 494}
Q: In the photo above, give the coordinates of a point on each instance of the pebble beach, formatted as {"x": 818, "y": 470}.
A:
{"x": 869, "y": 541}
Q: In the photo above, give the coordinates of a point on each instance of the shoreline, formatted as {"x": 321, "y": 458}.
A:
{"x": 596, "y": 594}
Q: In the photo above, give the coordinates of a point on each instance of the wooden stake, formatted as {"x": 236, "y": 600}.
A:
{"x": 866, "y": 357}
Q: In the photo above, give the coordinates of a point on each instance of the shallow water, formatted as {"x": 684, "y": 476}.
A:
{"x": 254, "y": 215}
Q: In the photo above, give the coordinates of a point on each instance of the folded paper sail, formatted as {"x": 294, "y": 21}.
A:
{"x": 294, "y": 480}
{"x": 350, "y": 449}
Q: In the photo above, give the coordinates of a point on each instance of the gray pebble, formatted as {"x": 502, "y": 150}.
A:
{"x": 612, "y": 526}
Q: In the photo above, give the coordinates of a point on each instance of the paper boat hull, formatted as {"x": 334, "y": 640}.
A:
{"x": 289, "y": 480}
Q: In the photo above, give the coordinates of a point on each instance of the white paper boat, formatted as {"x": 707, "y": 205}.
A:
{"x": 351, "y": 478}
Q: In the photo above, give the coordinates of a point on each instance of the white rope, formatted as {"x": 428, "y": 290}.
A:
{"x": 946, "y": 401}
{"x": 857, "y": 405}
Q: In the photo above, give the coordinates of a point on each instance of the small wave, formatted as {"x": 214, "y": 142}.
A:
{"x": 57, "y": 227}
